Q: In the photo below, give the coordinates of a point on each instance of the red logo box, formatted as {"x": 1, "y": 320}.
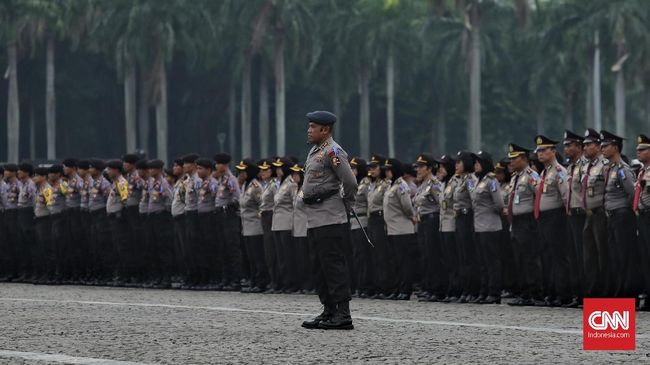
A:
{"x": 608, "y": 324}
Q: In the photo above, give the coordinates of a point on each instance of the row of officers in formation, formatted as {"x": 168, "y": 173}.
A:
{"x": 533, "y": 227}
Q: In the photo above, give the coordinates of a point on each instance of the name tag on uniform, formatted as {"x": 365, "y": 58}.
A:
{"x": 516, "y": 199}
{"x": 444, "y": 204}
{"x": 590, "y": 192}
{"x": 544, "y": 187}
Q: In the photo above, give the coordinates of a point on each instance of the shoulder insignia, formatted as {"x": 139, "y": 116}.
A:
{"x": 493, "y": 185}
{"x": 621, "y": 174}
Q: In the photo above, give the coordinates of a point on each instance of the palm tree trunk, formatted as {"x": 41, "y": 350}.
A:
{"x": 598, "y": 124}
{"x": 280, "y": 116}
{"x": 161, "y": 114}
{"x": 50, "y": 100}
{"x": 336, "y": 95}
{"x": 130, "y": 107}
{"x": 364, "y": 117}
{"x": 246, "y": 108}
{"x": 474, "y": 130}
{"x": 568, "y": 110}
{"x": 440, "y": 134}
{"x": 539, "y": 118}
{"x": 13, "y": 104}
{"x": 589, "y": 104}
{"x": 232, "y": 117}
{"x": 265, "y": 119}
{"x": 32, "y": 131}
{"x": 619, "y": 94}
{"x": 390, "y": 101}
{"x": 143, "y": 112}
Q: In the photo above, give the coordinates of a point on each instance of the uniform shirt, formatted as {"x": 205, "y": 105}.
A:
{"x": 523, "y": 187}
{"x": 98, "y": 193}
{"x": 283, "y": 208}
{"x": 3, "y": 194}
{"x": 326, "y": 169}
{"x": 73, "y": 187}
{"x": 27, "y": 194}
{"x": 376, "y": 190}
{"x": 299, "y": 217}
{"x": 178, "y": 199}
{"x": 268, "y": 194}
{"x": 12, "y": 193}
{"x": 644, "y": 181}
{"x": 249, "y": 208}
{"x": 447, "y": 214}
{"x": 206, "y": 194}
{"x": 398, "y": 209}
{"x": 143, "y": 205}
{"x": 574, "y": 173}
{"x": 619, "y": 190}
{"x": 505, "y": 189}
{"x": 361, "y": 204}
{"x": 487, "y": 203}
{"x": 554, "y": 188}
{"x": 592, "y": 191}
{"x": 57, "y": 201}
{"x": 42, "y": 200}
{"x": 160, "y": 195}
{"x": 427, "y": 197}
{"x": 228, "y": 191}
{"x": 462, "y": 199}
{"x": 118, "y": 196}
{"x": 136, "y": 187}
{"x": 192, "y": 184}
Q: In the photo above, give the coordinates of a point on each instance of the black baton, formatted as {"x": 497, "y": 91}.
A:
{"x": 360, "y": 226}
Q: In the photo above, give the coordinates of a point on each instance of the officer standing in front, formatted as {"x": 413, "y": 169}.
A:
{"x": 641, "y": 207}
{"x": 326, "y": 169}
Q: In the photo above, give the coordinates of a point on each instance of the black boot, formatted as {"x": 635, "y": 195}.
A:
{"x": 341, "y": 320}
{"x": 328, "y": 312}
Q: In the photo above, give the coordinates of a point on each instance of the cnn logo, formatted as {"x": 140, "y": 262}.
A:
{"x": 609, "y": 324}
{"x": 601, "y": 320}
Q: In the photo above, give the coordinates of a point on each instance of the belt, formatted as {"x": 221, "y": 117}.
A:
{"x": 377, "y": 213}
{"x": 41, "y": 218}
{"x": 98, "y": 211}
{"x": 429, "y": 216}
{"x": 593, "y": 211}
{"x": 611, "y": 212}
{"x": 463, "y": 211}
{"x": 192, "y": 212}
{"x": 230, "y": 208}
{"x": 156, "y": 213}
{"x": 644, "y": 211}
{"x": 319, "y": 198}
{"x": 178, "y": 217}
{"x": 577, "y": 211}
{"x": 114, "y": 214}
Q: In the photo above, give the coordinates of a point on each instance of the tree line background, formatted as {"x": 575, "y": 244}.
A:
{"x": 103, "y": 77}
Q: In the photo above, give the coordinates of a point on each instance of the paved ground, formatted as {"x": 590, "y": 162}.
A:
{"x": 89, "y": 325}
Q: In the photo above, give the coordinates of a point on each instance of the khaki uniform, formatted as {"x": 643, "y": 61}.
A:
{"x": 398, "y": 209}
{"x": 249, "y": 206}
{"x": 487, "y": 203}
{"x": 361, "y": 204}
{"x": 554, "y": 190}
{"x": 283, "y": 206}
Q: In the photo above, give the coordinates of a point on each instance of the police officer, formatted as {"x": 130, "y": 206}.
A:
{"x": 15, "y": 263}
{"x": 304, "y": 279}
{"x": 120, "y": 257}
{"x": 400, "y": 219}
{"x": 6, "y": 262}
{"x": 178, "y": 216}
{"x": 487, "y": 203}
{"x": 270, "y": 185}
{"x": 228, "y": 223}
{"x": 376, "y": 226}
{"x": 86, "y": 264}
{"x": 527, "y": 249}
{"x": 641, "y": 207}
{"x": 503, "y": 172}
{"x": 209, "y": 259}
{"x": 193, "y": 244}
{"x": 252, "y": 234}
{"x": 141, "y": 183}
{"x": 26, "y": 239}
{"x": 573, "y": 149}
{"x": 282, "y": 225}
{"x": 362, "y": 251}
{"x": 446, "y": 175}
{"x": 619, "y": 194}
{"x": 326, "y": 169}
{"x": 59, "y": 233}
{"x": 427, "y": 207}
{"x": 44, "y": 254}
{"x": 468, "y": 259}
{"x": 549, "y": 209}
{"x": 131, "y": 211}
{"x": 101, "y": 244}
{"x": 160, "y": 246}
{"x": 73, "y": 184}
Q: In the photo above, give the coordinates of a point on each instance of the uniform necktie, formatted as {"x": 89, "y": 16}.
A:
{"x": 585, "y": 186}
{"x": 512, "y": 198}
{"x": 637, "y": 193}
{"x": 538, "y": 196}
{"x": 568, "y": 201}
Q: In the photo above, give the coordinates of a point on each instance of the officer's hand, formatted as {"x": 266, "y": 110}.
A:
{"x": 414, "y": 220}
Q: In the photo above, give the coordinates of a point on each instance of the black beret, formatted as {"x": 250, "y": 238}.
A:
{"x": 465, "y": 155}
{"x": 56, "y": 169}
{"x": 178, "y": 161}
{"x": 321, "y": 117}
{"x": 12, "y": 167}
{"x": 222, "y": 158}
{"x": 502, "y": 165}
{"x": 155, "y": 164}
{"x": 41, "y": 171}
{"x": 377, "y": 160}
{"x": 83, "y": 164}
{"x": 445, "y": 160}
{"x": 190, "y": 158}
{"x": 70, "y": 162}
{"x": 425, "y": 159}
{"x": 483, "y": 156}
{"x": 114, "y": 164}
{"x": 97, "y": 164}
{"x": 169, "y": 172}
{"x": 141, "y": 165}
{"x": 204, "y": 162}
{"x": 26, "y": 166}
{"x": 409, "y": 169}
{"x": 131, "y": 158}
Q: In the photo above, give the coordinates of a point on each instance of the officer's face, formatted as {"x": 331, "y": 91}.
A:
{"x": 128, "y": 167}
{"x": 143, "y": 173}
{"x": 94, "y": 172}
{"x": 609, "y": 150}
{"x": 38, "y": 179}
{"x": 265, "y": 174}
{"x": 501, "y": 176}
{"x": 422, "y": 171}
{"x": 374, "y": 172}
{"x": 460, "y": 168}
{"x": 22, "y": 175}
{"x": 643, "y": 156}
{"x": 178, "y": 170}
{"x": 317, "y": 133}
{"x": 389, "y": 174}
{"x": 189, "y": 168}
{"x": 9, "y": 174}
{"x": 68, "y": 170}
{"x": 545, "y": 155}
{"x": 296, "y": 177}
{"x": 592, "y": 150}
{"x": 113, "y": 173}
{"x": 477, "y": 167}
{"x": 203, "y": 172}
{"x": 220, "y": 168}
{"x": 442, "y": 172}
{"x": 573, "y": 150}
{"x": 278, "y": 172}
{"x": 518, "y": 163}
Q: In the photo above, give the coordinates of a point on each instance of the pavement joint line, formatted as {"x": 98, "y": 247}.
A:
{"x": 62, "y": 359}
{"x": 297, "y": 314}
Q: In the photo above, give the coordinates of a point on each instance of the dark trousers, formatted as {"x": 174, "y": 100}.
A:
{"x": 161, "y": 246}
{"x": 75, "y": 247}
{"x": 209, "y": 260}
{"x": 451, "y": 264}
{"x": 349, "y": 255}
{"x": 25, "y": 244}
{"x": 101, "y": 246}
{"x": 135, "y": 236}
{"x": 621, "y": 227}
{"x": 576, "y": 227}
{"x": 405, "y": 248}
{"x": 508, "y": 263}
{"x": 59, "y": 240}
{"x": 43, "y": 252}
{"x": 468, "y": 254}
{"x": 596, "y": 254}
{"x": 194, "y": 247}
{"x": 305, "y": 272}
{"x": 229, "y": 245}
{"x": 270, "y": 248}
{"x": 12, "y": 260}
{"x": 434, "y": 277}
{"x": 528, "y": 254}
{"x": 180, "y": 255}
{"x": 259, "y": 274}
{"x": 555, "y": 253}
{"x": 285, "y": 257}
{"x": 644, "y": 245}
{"x": 490, "y": 249}
{"x": 386, "y": 279}
{"x": 328, "y": 254}
{"x": 363, "y": 262}
{"x": 121, "y": 259}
